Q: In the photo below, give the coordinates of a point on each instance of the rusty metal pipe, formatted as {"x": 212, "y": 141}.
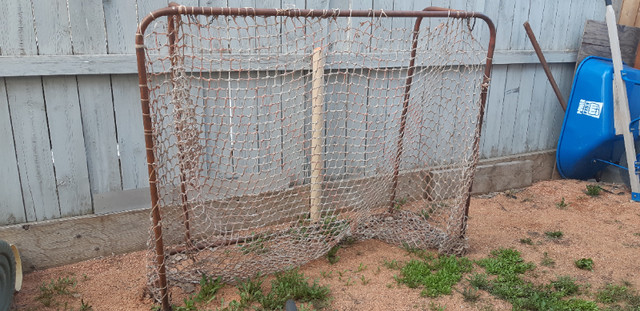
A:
{"x": 148, "y": 141}
{"x": 545, "y": 66}
{"x": 483, "y": 104}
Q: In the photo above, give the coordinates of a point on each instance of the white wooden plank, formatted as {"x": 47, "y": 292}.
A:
{"x": 293, "y": 99}
{"x": 356, "y": 110}
{"x": 336, "y": 98}
{"x": 121, "y": 23}
{"x": 87, "y": 26}
{"x": 269, "y": 126}
{"x": 295, "y": 124}
{"x": 52, "y": 24}
{"x": 269, "y": 102}
{"x": 147, "y": 6}
{"x": 218, "y": 129}
{"x": 557, "y": 41}
{"x": 521, "y": 106}
{"x": 378, "y": 95}
{"x": 244, "y": 130}
{"x": 16, "y": 25}
{"x": 128, "y": 116}
{"x": 96, "y": 100}
{"x": 493, "y": 113}
{"x": 11, "y": 205}
{"x": 63, "y": 110}
{"x": 99, "y": 133}
{"x": 54, "y": 65}
{"x": 67, "y": 144}
{"x": 33, "y": 151}
{"x": 357, "y": 123}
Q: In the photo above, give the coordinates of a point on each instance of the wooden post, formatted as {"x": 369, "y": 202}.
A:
{"x": 317, "y": 126}
{"x": 621, "y": 103}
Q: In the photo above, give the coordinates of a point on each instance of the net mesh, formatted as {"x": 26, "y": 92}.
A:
{"x": 251, "y": 177}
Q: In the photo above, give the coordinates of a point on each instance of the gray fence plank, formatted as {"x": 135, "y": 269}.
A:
{"x": 63, "y": 112}
{"x": 120, "y": 17}
{"x": 128, "y": 116}
{"x": 18, "y": 38}
{"x": 67, "y": 144}
{"x": 120, "y": 22}
{"x": 560, "y": 23}
{"x": 28, "y": 116}
{"x": 95, "y": 98}
{"x": 33, "y": 151}
{"x": 11, "y": 206}
{"x": 99, "y": 132}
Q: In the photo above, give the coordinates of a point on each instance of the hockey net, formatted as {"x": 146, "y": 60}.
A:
{"x": 273, "y": 138}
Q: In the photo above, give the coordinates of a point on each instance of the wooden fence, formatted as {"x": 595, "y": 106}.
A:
{"x": 70, "y": 123}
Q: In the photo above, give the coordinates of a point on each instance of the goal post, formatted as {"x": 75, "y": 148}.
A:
{"x": 273, "y": 134}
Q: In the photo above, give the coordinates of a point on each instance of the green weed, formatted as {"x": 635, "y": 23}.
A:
{"x": 60, "y": 287}
{"x": 479, "y": 281}
{"x": 364, "y": 280}
{"x": 399, "y": 203}
{"x": 208, "y": 289}
{"x": 470, "y": 294}
{"x": 257, "y": 245}
{"x": 584, "y": 264}
{"x": 505, "y": 262}
{"x": 554, "y": 235}
{"x": 562, "y": 204}
{"x": 526, "y": 241}
{"x": 293, "y": 285}
{"x": 332, "y": 255}
{"x": 565, "y": 285}
{"x": 436, "y": 276}
{"x": 435, "y": 307}
{"x": 547, "y": 261}
{"x": 593, "y": 190}
{"x": 508, "y": 266}
{"x": 392, "y": 265}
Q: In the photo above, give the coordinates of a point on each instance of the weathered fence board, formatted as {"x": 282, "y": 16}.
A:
{"x": 11, "y": 207}
{"x": 90, "y": 44}
{"x": 67, "y": 145}
{"x": 31, "y": 136}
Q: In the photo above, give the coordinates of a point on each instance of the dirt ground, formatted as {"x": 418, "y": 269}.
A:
{"x": 605, "y": 228}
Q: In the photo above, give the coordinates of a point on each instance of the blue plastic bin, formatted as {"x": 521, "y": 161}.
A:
{"x": 588, "y": 136}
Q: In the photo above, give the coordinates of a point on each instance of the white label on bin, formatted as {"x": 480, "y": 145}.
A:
{"x": 590, "y": 108}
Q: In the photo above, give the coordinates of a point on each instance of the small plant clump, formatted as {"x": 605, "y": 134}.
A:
{"x": 435, "y": 275}
{"x": 619, "y": 297}
{"x": 526, "y": 241}
{"x": 593, "y": 190}
{"x": 399, "y": 203}
{"x": 584, "y": 264}
{"x": 470, "y": 294}
{"x": 392, "y": 265}
{"x": 60, "y": 287}
{"x": 287, "y": 285}
{"x": 562, "y": 204}
{"x": 208, "y": 289}
{"x": 507, "y": 266}
{"x": 332, "y": 255}
{"x": 554, "y": 235}
{"x": 547, "y": 261}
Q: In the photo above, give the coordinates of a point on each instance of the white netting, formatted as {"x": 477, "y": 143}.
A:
{"x": 233, "y": 126}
